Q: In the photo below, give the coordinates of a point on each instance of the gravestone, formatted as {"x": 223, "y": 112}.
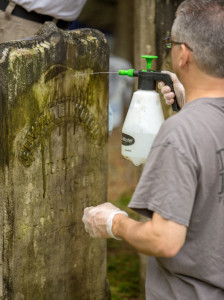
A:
{"x": 53, "y": 158}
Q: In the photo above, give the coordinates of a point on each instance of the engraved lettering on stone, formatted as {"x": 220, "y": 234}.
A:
{"x": 63, "y": 109}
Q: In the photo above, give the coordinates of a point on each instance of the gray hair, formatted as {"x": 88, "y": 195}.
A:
{"x": 200, "y": 24}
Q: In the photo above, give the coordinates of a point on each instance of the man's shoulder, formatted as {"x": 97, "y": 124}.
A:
{"x": 194, "y": 113}
{"x": 193, "y": 122}
{"x": 175, "y": 125}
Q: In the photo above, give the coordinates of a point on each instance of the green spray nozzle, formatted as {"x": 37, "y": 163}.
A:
{"x": 132, "y": 72}
{"x": 129, "y": 73}
{"x": 149, "y": 59}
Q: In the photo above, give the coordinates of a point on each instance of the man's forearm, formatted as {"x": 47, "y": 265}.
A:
{"x": 157, "y": 237}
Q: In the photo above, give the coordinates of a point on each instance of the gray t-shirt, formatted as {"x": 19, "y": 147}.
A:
{"x": 183, "y": 181}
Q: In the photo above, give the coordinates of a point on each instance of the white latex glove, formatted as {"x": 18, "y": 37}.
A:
{"x": 178, "y": 88}
{"x": 98, "y": 220}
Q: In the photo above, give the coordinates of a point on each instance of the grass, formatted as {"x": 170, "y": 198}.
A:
{"x": 123, "y": 268}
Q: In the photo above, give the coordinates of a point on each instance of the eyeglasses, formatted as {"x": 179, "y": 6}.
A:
{"x": 169, "y": 43}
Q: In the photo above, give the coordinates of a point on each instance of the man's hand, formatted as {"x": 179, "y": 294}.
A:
{"x": 98, "y": 220}
{"x": 178, "y": 88}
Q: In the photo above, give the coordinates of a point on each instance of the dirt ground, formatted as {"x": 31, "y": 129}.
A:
{"x": 122, "y": 174}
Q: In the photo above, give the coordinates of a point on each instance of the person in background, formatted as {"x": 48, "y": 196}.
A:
{"x": 181, "y": 189}
{"x": 20, "y": 19}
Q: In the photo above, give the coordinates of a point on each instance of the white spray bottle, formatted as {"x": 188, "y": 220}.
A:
{"x": 145, "y": 114}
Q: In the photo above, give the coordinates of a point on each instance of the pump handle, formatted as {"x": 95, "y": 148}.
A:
{"x": 168, "y": 81}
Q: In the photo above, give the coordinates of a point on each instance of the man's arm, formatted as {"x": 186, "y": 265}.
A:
{"x": 157, "y": 237}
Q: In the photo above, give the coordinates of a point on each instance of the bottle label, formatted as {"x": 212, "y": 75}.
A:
{"x": 127, "y": 140}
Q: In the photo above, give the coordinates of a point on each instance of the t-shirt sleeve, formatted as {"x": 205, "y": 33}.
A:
{"x": 167, "y": 186}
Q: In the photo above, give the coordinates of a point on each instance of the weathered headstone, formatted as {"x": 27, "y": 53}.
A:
{"x": 53, "y": 158}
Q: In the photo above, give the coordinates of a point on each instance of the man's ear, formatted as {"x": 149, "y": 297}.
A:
{"x": 184, "y": 56}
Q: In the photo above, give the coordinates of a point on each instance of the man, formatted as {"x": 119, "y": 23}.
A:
{"x": 22, "y": 18}
{"x": 182, "y": 185}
